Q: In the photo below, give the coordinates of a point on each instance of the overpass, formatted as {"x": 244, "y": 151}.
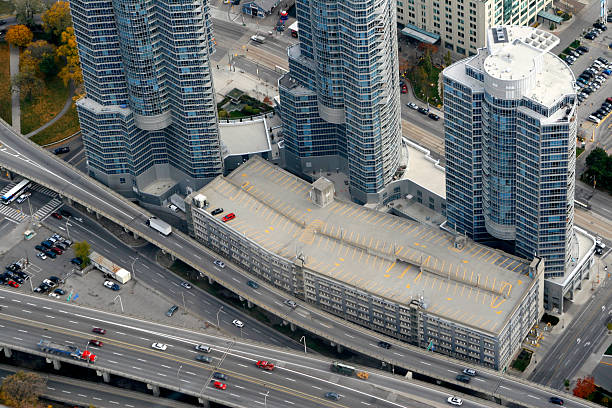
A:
{"x": 23, "y": 157}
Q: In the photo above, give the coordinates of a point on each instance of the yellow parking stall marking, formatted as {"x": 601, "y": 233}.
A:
{"x": 462, "y": 289}
{"x": 485, "y": 253}
{"x": 274, "y": 219}
{"x": 470, "y": 293}
{"x": 368, "y": 217}
{"x": 331, "y": 231}
{"x": 455, "y": 290}
{"x": 368, "y": 259}
{"x": 492, "y": 255}
{"x": 334, "y": 205}
{"x": 493, "y": 284}
{"x": 353, "y": 213}
{"x": 370, "y": 243}
{"x": 334, "y": 246}
{"x": 433, "y": 281}
{"x": 496, "y": 259}
{"x": 404, "y": 271}
{"x": 478, "y": 251}
{"x": 360, "y": 255}
{"x": 327, "y": 240}
{"x": 348, "y": 208}
{"x": 399, "y": 250}
{"x": 405, "y": 228}
{"x": 348, "y": 248}
{"x": 357, "y": 238}
{"x": 516, "y": 267}
{"x": 287, "y": 220}
{"x": 427, "y": 261}
{"x": 354, "y": 252}
{"x": 414, "y": 256}
{"x": 418, "y": 277}
{"x": 407, "y": 252}
{"x": 337, "y": 210}
{"x": 390, "y": 267}
{"x": 441, "y": 283}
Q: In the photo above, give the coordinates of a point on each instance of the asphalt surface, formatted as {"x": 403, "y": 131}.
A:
{"x": 299, "y": 380}
{"x": 582, "y": 337}
{"x": 85, "y": 393}
{"x": 29, "y": 160}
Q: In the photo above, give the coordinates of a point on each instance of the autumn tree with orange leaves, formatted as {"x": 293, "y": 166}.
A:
{"x": 22, "y": 389}
{"x": 57, "y": 19}
{"x": 19, "y": 35}
{"x": 585, "y": 387}
{"x": 68, "y": 51}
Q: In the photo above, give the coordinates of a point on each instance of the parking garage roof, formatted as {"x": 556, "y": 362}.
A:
{"x": 472, "y": 284}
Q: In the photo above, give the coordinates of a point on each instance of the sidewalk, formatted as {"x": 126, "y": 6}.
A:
{"x": 551, "y": 336}
{"x": 16, "y": 108}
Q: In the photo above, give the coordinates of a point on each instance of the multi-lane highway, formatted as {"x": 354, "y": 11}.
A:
{"x": 31, "y": 161}
{"x": 299, "y": 380}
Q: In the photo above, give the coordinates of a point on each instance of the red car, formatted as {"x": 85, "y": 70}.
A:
{"x": 220, "y": 385}
{"x": 13, "y": 283}
{"x": 96, "y": 343}
{"x": 266, "y": 365}
{"x": 98, "y": 330}
{"x": 56, "y": 215}
{"x": 228, "y": 217}
{"x": 404, "y": 89}
{"x": 57, "y": 250}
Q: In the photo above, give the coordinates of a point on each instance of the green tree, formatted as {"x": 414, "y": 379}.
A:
{"x": 48, "y": 66}
{"x": 22, "y": 389}
{"x": 82, "y": 250}
{"x": 38, "y": 49}
{"x": 599, "y": 170}
{"x": 26, "y": 9}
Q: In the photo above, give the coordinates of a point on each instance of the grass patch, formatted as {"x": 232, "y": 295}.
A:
{"x": 5, "y": 82}
{"x": 45, "y": 106}
{"x": 6, "y": 7}
{"x": 422, "y": 90}
{"x": 522, "y": 361}
{"x": 67, "y": 125}
{"x": 609, "y": 350}
{"x": 579, "y": 151}
{"x": 575, "y": 44}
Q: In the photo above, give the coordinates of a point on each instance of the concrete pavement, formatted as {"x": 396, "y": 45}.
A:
{"x": 15, "y": 95}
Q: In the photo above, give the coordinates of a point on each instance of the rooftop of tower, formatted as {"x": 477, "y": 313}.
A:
{"x": 517, "y": 62}
{"x": 372, "y": 251}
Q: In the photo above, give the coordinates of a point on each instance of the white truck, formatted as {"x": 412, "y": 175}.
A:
{"x": 110, "y": 268}
{"x": 162, "y": 227}
{"x": 258, "y": 38}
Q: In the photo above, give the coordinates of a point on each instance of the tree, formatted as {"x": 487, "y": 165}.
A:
{"x": 82, "y": 250}
{"x": 22, "y": 389}
{"x": 38, "y": 49}
{"x": 57, "y": 19}
{"x": 585, "y": 387}
{"x": 48, "y": 66}
{"x": 25, "y": 10}
{"x": 19, "y": 35}
{"x": 447, "y": 58}
{"x": 27, "y": 83}
{"x": 68, "y": 50}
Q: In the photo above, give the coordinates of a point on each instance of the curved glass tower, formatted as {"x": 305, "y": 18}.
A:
{"x": 148, "y": 120}
{"x": 510, "y": 139}
{"x": 340, "y": 102}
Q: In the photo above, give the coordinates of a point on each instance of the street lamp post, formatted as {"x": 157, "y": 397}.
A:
{"x": 303, "y": 339}
{"x": 266, "y": 399}
{"x": 218, "y": 324}
{"x": 133, "y": 262}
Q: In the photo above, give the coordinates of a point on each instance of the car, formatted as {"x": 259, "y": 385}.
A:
{"x": 79, "y": 219}
{"x": 219, "y": 263}
{"x": 111, "y": 285}
{"x": 54, "y": 295}
{"x": 41, "y": 255}
{"x": 404, "y": 89}
{"x": 186, "y": 285}
{"x": 57, "y": 250}
{"x": 171, "y": 311}
{"x": 55, "y": 279}
{"x": 65, "y": 213}
{"x": 56, "y": 215}
{"x": 589, "y": 36}
{"x": 332, "y": 396}
{"x": 290, "y": 303}
{"x": 384, "y": 344}
{"x": 228, "y": 217}
{"x": 555, "y": 400}
{"x": 253, "y": 284}
{"x": 61, "y": 150}
{"x": 237, "y": 323}
{"x": 53, "y": 240}
{"x": 470, "y": 372}
{"x": 220, "y": 376}
{"x": 455, "y": 401}
{"x": 59, "y": 291}
{"x": 67, "y": 242}
{"x": 219, "y": 385}
{"x": 77, "y": 261}
{"x": 96, "y": 343}
{"x": 2, "y": 22}
{"x": 412, "y": 105}
{"x": 18, "y": 279}
{"x": 23, "y": 197}
{"x": 47, "y": 244}
{"x": 203, "y": 348}
{"x": 159, "y": 346}
{"x": 22, "y": 275}
{"x": 12, "y": 283}
{"x": 98, "y": 330}
{"x": 61, "y": 246}
{"x": 203, "y": 359}
{"x": 51, "y": 254}
{"x": 423, "y": 111}
{"x": 42, "y": 288}
{"x": 40, "y": 248}
{"x": 433, "y": 116}
{"x": 463, "y": 378}
{"x": 265, "y": 365}
{"x": 216, "y": 211}
{"x": 49, "y": 283}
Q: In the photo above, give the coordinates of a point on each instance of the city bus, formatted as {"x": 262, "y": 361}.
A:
{"x": 14, "y": 192}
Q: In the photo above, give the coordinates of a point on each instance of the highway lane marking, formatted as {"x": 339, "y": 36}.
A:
{"x": 121, "y": 333}
{"x": 128, "y": 405}
{"x": 278, "y": 303}
{"x": 82, "y": 395}
{"x": 451, "y": 371}
{"x": 289, "y": 402}
{"x": 26, "y": 311}
{"x": 142, "y": 338}
{"x": 63, "y": 311}
{"x": 259, "y": 402}
{"x": 239, "y": 386}
{"x": 111, "y": 361}
{"x": 348, "y": 335}
{"x": 73, "y": 322}
{"x": 67, "y": 392}
{"x": 17, "y": 338}
{"x": 97, "y": 399}
{"x": 365, "y": 403}
{"x": 191, "y": 294}
{"x": 171, "y": 291}
{"x": 178, "y": 245}
{"x": 480, "y": 379}
{"x": 117, "y": 354}
{"x": 423, "y": 362}
{"x": 165, "y": 366}
{"x": 51, "y": 388}
{"x": 189, "y": 382}
{"x": 318, "y": 388}
{"x": 237, "y": 280}
{"x": 136, "y": 368}
{"x": 235, "y": 395}
{"x": 114, "y": 402}
{"x": 145, "y": 266}
{"x": 325, "y": 325}
{"x": 31, "y": 304}
{"x": 155, "y": 280}
{"x": 16, "y": 300}
{"x": 242, "y": 365}
{"x": 505, "y": 388}
{"x": 290, "y": 379}
{"x": 46, "y": 308}
{"x": 159, "y": 274}
{"x": 69, "y": 342}
{"x": 22, "y": 331}
{"x": 532, "y": 396}
{"x": 47, "y": 337}
{"x": 256, "y": 331}
{"x": 50, "y": 317}
{"x": 398, "y": 354}
{"x": 140, "y": 359}
{"x": 174, "y": 283}
{"x": 163, "y": 375}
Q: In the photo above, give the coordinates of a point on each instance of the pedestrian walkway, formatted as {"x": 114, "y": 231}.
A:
{"x": 12, "y": 214}
{"x": 47, "y": 209}
{"x": 57, "y": 117}
{"x": 16, "y": 108}
{"x": 44, "y": 190}
{"x": 7, "y": 188}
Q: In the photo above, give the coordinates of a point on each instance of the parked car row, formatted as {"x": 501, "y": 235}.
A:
{"x": 575, "y": 54}
{"x": 602, "y": 112}
{"x": 50, "y": 283}
{"x": 13, "y": 275}
{"x": 598, "y": 28}
{"x": 53, "y": 246}
{"x": 424, "y": 111}
{"x": 593, "y": 78}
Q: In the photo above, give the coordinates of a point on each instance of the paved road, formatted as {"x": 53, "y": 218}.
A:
{"x": 84, "y": 393}
{"x": 199, "y": 302}
{"x": 582, "y": 337}
{"x": 299, "y": 380}
{"x": 33, "y": 162}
